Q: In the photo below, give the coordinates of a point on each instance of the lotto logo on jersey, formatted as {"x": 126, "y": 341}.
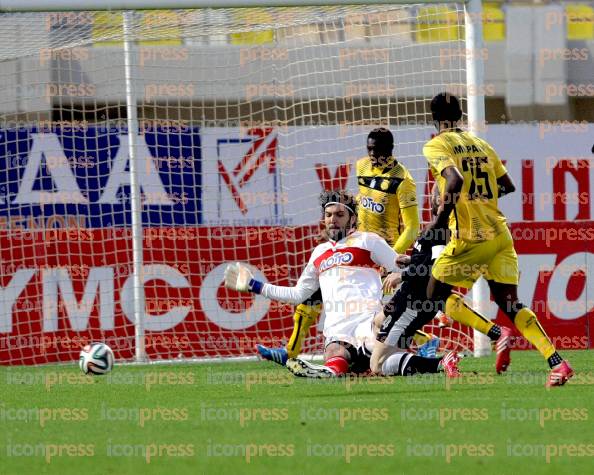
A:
{"x": 373, "y": 206}
{"x": 337, "y": 259}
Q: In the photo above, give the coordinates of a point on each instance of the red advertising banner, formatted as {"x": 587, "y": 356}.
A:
{"x": 557, "y": 280}
{"x": 62, "y": 288}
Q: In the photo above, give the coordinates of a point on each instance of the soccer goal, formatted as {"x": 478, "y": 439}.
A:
{"x": 141, "y": 150}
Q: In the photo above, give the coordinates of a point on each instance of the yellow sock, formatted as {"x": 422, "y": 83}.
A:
{"x": 459, "y": 311}
{"x": 305, "y": 316}
{"x": 529, "y": 326}
{"x": 420, "y": 337}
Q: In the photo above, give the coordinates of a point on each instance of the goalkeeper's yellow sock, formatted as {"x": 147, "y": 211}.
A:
{"x": 305, "y": 316}
{"x": 420, "y": 337}
{"x": 457, "y": 309}
{"x": 529, "y": 326}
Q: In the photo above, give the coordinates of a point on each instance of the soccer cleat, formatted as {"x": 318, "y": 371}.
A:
{"x": 429, "y": 349}
{"x": 449, "y": 363}
{"x": 305, "y": 369}
{"x": 443, "y": 321}
{"x": 559, "y": 375}
{"x": 277, "y": 355}
{"x": 503, "y": 347}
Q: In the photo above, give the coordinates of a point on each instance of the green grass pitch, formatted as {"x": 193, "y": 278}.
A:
{"x": 256, "y": 418}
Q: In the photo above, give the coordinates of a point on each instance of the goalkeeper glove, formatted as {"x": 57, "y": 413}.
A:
{"x": 238, "y": 277}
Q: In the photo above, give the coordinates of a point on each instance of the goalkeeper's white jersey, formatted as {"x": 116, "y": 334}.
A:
{"x": 346, "y": 271}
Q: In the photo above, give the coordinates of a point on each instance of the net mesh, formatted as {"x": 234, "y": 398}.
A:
{"x": 244, "y": 116}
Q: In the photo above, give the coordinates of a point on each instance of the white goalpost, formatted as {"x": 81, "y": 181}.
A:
{"x": 145, "y": 144}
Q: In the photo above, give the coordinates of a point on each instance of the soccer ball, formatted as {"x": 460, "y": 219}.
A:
{"x": 96, "y": 358}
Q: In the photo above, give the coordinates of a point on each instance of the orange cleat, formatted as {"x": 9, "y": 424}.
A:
{"x": 449, "y": 364}
{"x": 503, "y": 347}
{"x": 559, "y": 375}
{"x": 443, "y": 321}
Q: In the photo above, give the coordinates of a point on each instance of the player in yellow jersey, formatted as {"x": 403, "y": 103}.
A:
{"x": 387, "y": 193}
{"x": 471, "y": 178}
{"x": 387, "y": 207}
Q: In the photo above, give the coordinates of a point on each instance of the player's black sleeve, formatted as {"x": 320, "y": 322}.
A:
{"x": 418, "y": 269}
{"x": 315, "y": 299}
{"x": 409, "y": 309}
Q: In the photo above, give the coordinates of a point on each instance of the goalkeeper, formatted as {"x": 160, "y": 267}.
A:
{"x": 344, "y": 268}
{"x": 387, "y": 196}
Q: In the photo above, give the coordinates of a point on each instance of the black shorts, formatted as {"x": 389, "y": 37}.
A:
{"x": 404, "y": 314}
{"x": 315, "y": 299}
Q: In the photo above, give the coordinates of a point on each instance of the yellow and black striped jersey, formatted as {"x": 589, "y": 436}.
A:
{"x": 383, "y": 193}
{"x": 476, "y": 216}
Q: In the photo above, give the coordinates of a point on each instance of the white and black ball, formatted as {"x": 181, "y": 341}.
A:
{"x": 96, "y": 358}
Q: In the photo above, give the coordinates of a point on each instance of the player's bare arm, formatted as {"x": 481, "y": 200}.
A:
{"x": 402, "y": 260}
{"x": 451, "y": 193}
{"x": 505, "y": 185}
{"x": 391, "y": 282}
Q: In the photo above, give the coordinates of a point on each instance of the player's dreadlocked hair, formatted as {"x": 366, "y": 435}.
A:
{"x": 339, "y": 196}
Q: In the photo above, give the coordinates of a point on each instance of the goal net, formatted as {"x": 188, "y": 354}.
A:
{"x": 240, "y": 118}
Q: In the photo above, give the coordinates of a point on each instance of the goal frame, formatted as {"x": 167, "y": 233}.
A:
{"x": 475, "y": 103}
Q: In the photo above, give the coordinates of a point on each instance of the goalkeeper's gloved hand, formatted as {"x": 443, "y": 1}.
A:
{"x": 238, "y": 277}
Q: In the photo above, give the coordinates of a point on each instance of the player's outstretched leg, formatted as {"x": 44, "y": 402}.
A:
{"x": 457, "y": 309}
{"x": 400, "y": 363}
{"x": 305, "y": 316}
{"x": 527, "y": 323}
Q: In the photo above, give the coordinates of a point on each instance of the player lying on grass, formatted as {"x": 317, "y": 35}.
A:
{"x": 387, "y": 197}
{"x": 471, "y": 178}
{"x": 345, "y": 269}
{"x": 409, "y": 308}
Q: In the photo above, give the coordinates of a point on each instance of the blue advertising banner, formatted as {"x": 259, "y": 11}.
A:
{"x": 81, "y": 176}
